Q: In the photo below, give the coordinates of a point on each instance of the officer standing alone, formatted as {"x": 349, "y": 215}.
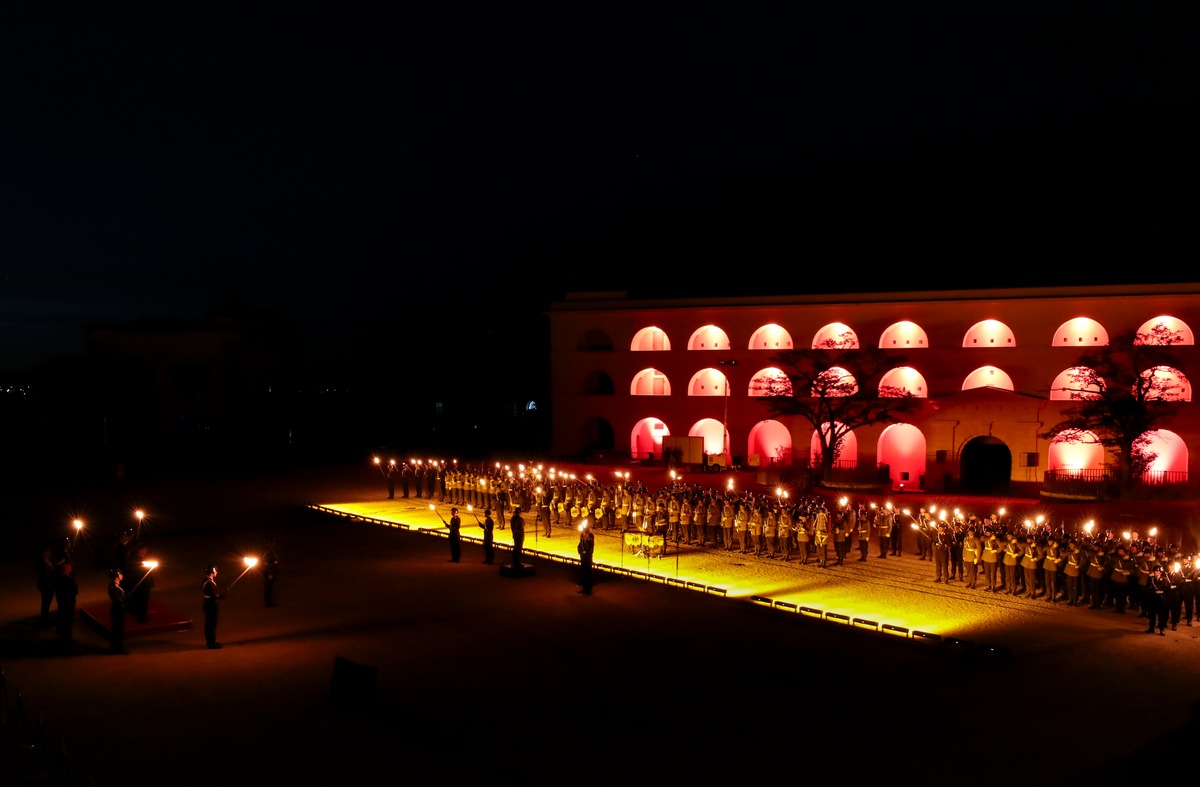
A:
{"x": 212, "y": 597}
{"x": 587, "y": 546}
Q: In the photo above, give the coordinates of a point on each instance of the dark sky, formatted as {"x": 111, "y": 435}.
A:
{"x": 359, "y": 165}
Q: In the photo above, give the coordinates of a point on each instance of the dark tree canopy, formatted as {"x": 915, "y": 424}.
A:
{"x": 1122, "y": 392}
{"x": 835, "y": 387}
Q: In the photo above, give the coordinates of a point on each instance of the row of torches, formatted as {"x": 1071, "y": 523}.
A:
{"x": 150, "y": 565}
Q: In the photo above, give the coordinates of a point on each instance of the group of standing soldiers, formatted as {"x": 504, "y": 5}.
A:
{"x": 1102, "y": 571}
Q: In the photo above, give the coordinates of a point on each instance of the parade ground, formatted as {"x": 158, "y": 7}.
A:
{"x": 384, "y": 660}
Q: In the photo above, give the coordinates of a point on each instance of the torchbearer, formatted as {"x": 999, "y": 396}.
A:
{"x": 455, "y": 525}
{"x": 587, "y": 546}
{"x": 212, "y": 596}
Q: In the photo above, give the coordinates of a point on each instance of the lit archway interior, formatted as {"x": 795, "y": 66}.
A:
{"x": 1076, "y": 451}
{"x": 771, "y": 337}
{"x": 1080, "y": 332}
{"x": 835, "y": 335}
{"x": 1074, "y": 384}
{"x": 1171, "y": 454}
{"x": 905, "y": 378}
{"x": 645, "y": 439}
{"x": 650, "y": 382}
{"x": 989, "y": 333}
{"x": 1158, "y": 326}
{"x": 708, "y": 382}
{"x": 770, "y": 382}
{"x": 905, "y": 335}
{"x": 650, "y": 339}
{"x": 902, "y": 448}
{"x": 772, "y": 442}
{"x": 713, "y": 432}
{"x": 847, "y": 453}
{"x": 988, "y": 377}
{"x": 835, "y": 381}
{"x": 1169, "y": 385}
{"x": 708, "y": 337}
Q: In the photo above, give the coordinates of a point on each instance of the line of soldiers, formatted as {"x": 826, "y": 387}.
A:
{"x": 1080, "y": 569}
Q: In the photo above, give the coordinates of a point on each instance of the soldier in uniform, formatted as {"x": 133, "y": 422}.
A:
{"x": 1120, "y": 577}
{"x": 1074, "y": 566}
{"x": 883, "y": 527}
{"x": 939, "y": 547}
{"x": 1052, "y": 559}
{"x": 821, "y": 536}
{"x": 972, "y": 556}
{"x": 212, "y": 597}
{"x": 863, "y": 523}
{"x": 116, "y": 611}
{"x": 1013, "y": 551}
{"x": 1155, "y": 602}
{"x": 991, "y": 552}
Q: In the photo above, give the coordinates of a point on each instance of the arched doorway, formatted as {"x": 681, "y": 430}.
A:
{"x": 986, "y": 466}
{"x": 598, "y": 436}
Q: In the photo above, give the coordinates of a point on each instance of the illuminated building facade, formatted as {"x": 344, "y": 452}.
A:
{"x": 630, "y": 378}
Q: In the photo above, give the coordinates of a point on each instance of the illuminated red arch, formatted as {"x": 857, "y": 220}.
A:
{"x": 708, "y": 337}
{"x": 1172, "y": 325}
{"x": 650, "y": 339}
{"x": 646, "y": 438}
{"x": 1080, "y": 332}
{"x": 650, "y": 382}
{"x": 708, "y": 382}
{"x": 907, "y": 378}
{"x": 770, "y": 382}
{"x": 1067, "y": 386}
{"x": 906, "y": 335}
{"x": 989, "y": 333}
{"x": 835, "y": 334}
{"x": 1075, "y": 451}
{"x": 771, "y": 337}
{"x": 902, "y": 448}
{"x": 988, "y": 377}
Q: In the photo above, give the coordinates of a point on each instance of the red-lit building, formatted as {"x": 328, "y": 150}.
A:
{"x": 631, "y": 378}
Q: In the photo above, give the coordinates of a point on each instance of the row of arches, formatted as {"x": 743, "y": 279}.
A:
{"x": 1072, "y": 383}
{"x": 903, "y": 335}
{"x": 902, "y": 447}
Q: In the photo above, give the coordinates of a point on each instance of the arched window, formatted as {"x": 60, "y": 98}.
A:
{"x": 645, "y": 439}
{"x": 708, "y": 337}
{"x": 1080, "y": 332}
{"x": 905, "y": 378}
{"x": 1161, "y": 329}
{"x": 1170, "y": 462}
{"x": 708, "y": 382}
{"x": 989, "y": 333}
{"x": 771, "y": 337}
{"x": 903, "y": 335}
{"x": 713, "y": 432}
{"x": 1167, "y": 384}
{"x": 1075, "y": 451}
{"x": 988, "y": 377}
{"x": 1078, "y": 382}
{"x": 772, "y": 440}
{"x": 845, "y": 453}
{"x": 595, "y": 340}
{"x": 834, "y": 381}
{"x": 770, "y": 382}
{"x": 650, "y": 339}
{"x": 650, "y": 382}
{"x": 835, "y": 336}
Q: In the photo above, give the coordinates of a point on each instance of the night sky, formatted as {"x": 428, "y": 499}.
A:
{"x": 363, "y": 168}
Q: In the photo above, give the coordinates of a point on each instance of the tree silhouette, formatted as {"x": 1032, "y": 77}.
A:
{"x": 1123, "y": 392}
{"x": 835, "y": 387}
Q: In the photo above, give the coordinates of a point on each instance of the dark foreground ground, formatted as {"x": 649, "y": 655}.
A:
{"x": 479, "y": 676}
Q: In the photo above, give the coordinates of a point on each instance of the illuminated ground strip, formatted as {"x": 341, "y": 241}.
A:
{"x": 837, "y": 595}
